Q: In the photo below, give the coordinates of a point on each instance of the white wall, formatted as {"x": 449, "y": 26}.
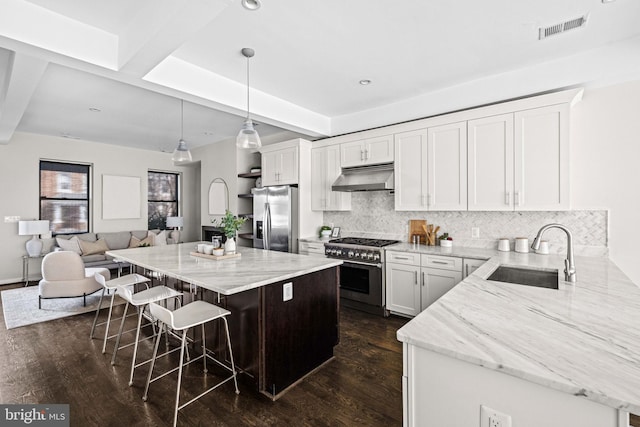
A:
{"x": 605, "y": 166}
{"x": 19, "y": 192}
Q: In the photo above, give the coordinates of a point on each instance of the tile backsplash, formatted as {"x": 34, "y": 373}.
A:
{"x": 373, "y": 214}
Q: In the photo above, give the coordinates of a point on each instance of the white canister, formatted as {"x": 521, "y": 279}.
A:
{"x": 201, "y": 247}
{"x": 504, "y": 245}
{"x": 544, "y": 248}
{"x": 522, "y": 245}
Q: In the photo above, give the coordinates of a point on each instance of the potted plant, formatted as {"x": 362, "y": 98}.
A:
{"x": 445, "y": 240}
{"x": 230, "y": 225}
{"x": 325, "y": 231}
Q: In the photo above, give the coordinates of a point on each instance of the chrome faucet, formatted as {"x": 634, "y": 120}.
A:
{"x": 569, "y": 264}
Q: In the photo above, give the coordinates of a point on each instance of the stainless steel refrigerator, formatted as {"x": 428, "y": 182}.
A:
{"x": 275, "y": 218}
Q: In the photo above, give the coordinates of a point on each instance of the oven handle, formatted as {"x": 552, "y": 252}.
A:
{"x": 378, "y": 265}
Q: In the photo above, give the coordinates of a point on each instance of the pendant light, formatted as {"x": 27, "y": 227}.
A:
{"x": 248, "y": 137}
{"x": 181, "y": 154}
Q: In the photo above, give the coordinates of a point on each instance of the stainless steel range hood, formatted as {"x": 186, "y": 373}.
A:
{"x": 365, "y": 178}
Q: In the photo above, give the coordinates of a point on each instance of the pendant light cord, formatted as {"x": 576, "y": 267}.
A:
{"x": 181, "y": 119}
{"x": 248, "y": 107}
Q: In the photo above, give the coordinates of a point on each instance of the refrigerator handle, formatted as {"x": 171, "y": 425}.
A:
{"x": 266, "y": 227}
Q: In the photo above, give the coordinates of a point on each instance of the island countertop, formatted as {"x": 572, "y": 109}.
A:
{"x": 254, "y": 268}
{"x": 581, "y": 339}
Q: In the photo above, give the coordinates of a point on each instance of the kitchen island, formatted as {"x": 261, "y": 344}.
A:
{"x": 545, "y": 357}
{"x": 284, "y": 307}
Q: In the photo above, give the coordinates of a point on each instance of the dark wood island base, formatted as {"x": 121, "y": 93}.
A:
{"x": 275, "y": 342}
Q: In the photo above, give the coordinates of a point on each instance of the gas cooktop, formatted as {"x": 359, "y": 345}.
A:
{"x": 362, "y": 241}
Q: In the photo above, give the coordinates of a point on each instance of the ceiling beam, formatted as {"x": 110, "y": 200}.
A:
{"x": 22, "y": 75}
{"x": 161, "y": 29}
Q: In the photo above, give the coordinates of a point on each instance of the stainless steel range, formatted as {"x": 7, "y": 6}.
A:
{"x": 362, "y": 284}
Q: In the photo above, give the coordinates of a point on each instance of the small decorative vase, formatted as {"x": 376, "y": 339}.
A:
{"x": 230, "y": 246}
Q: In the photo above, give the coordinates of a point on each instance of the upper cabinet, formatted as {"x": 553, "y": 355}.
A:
{"x": 325, "y": 169}
{"x": 280, "y": 167}
{"x": 367, "y": 151}
{"x": 520, "y": 161}
{"x": 431, "y": 169}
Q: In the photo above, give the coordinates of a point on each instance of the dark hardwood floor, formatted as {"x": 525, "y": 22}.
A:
{"x": 56, "y": 362}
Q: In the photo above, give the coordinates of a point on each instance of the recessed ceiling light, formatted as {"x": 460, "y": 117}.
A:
{"x": 608, "y": 1}
{"x": 365, "y": 82}
{"x": 94, "y": 110}
{"x": 66, "y": 135}
{"x": 209, "y": 133}
{"x": 251, "y": 4}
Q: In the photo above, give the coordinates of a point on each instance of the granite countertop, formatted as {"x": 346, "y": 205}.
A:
{"x": 255, "y": 268}
{"x": 581, "y": 339}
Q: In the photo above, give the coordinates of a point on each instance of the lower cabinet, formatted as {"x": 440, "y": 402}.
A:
{"x": 470, "y": 265}
{"x": 416, "y": 281}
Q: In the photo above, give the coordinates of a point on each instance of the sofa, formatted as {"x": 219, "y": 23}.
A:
{"x": 92, "y": 246}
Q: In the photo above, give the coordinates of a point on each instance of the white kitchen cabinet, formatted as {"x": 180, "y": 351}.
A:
{"x": 367, "y": 151}
{"x": 403, "y": 288}
{"x": 415, "y": 281}
{"x": 280, "y": 167}
{"x": 520, "y": 161}
{"x": 430, "y": 169}
{"x": 470, "y": 265}
{"x": 311, "y": 248}
{"x": 325, "y": 168}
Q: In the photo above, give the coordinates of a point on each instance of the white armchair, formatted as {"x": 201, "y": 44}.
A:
{"x": 64, "y": 276}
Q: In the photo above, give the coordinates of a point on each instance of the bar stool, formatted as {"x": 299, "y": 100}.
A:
{"x": 112, "y": 285}
{"x": 140, "y": 300}
{"x": 191, "y": 315}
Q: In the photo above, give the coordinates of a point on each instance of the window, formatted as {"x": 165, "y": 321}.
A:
{"x": 64, "y": 196}
{"x": 162, "y": 198}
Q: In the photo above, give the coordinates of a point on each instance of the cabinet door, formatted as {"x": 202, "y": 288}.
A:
{"x": 490, "y": 163}
{"x": 436, "y": 283}
{"x": 471, "y": 265}
{"x": 325, "y": 169}
{"x": 352, "y": 153}
{"x": 379, "y": 150}
{"x": 403, "y": 290}
{"x": 542, "y": 158}
{"x": 270, "y": 168}
{"x": 319, "y": 179}
{"x": 447, "y": 167}
{"x": 288, "y": 166}
{"x": 410, "y": 171}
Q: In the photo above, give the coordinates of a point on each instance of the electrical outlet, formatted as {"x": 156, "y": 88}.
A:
{"x": 287, "y": 291}
{"x": 475, "y": 232}
{"x": 492, "y": 418}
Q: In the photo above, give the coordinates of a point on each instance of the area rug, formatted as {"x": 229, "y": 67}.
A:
{"x": 20, "y": 306}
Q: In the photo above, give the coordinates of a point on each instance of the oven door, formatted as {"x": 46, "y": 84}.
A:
{"x": 361, "y": 282}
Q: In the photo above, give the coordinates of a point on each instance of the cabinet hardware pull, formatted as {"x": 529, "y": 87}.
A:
{"x": 423, "y": 281}
{"x": 366, "y": 154}
{"x": 517, "y": 198}
{"x": 440, "y": 262}
{"x": 401, "y": 257}
{"x": 507, "y": 199}
{"x": 415, "y": 276}
{"x": 467, "y": 268}
{"x": 362, "y": 155}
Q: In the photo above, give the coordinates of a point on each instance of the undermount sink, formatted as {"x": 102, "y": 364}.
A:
{"x": 526, "y": 276}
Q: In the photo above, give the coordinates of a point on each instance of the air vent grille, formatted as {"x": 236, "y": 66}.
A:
{"x": 552, "y": 30}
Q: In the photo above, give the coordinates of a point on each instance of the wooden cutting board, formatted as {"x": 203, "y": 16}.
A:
{"x": 416, "y": 228}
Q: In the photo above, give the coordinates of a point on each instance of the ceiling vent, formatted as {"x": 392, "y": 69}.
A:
{"x": 552, "y": 30}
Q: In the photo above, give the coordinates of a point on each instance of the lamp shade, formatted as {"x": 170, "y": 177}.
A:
{"x": 248, "y": 137}
{"x": 181, "y": 154}
{"x": 175, "y": 221}
{"x": 26, "y": 228}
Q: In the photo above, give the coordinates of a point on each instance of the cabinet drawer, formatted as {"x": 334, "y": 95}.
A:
{"x": 402, "y": 257}
{"x": 311, "y": 248}
{"x": 442, "y": 262}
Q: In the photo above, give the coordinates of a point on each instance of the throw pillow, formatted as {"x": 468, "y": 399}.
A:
{"x": 134, "y": 242}
{"x": 159, "y": 239}
{"x": 91, "y": 248}
{"x": 69, "y": 244}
